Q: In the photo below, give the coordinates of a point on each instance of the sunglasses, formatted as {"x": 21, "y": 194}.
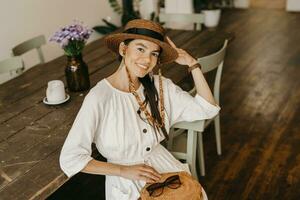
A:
{"x": 157, "y": 189}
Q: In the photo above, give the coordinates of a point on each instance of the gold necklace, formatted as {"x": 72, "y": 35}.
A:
{"x": 142, "y": 105}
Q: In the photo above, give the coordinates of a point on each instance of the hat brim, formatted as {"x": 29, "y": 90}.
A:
{"x": 168, "y": 54}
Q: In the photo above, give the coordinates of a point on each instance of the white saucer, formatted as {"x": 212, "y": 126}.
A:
{"x": 56, "y": 103}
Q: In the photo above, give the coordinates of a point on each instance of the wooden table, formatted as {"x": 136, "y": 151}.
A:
{"x": 32, "y": 133}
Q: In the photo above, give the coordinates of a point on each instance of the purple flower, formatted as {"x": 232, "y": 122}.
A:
{"x": 74, "y": 31}
{"x": 72, "y": 37}
{"x": 64, "y": 42}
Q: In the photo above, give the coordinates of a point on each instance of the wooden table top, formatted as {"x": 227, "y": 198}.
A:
{"x": 32, "y": 133}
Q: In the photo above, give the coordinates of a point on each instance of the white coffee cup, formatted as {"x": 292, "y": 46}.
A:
{"x": 55, "y": 91}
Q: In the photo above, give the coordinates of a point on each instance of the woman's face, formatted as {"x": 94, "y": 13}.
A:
{"x": 141, "y": 56}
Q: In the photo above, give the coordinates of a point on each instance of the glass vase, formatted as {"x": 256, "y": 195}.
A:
{"x": 77, "y": 74}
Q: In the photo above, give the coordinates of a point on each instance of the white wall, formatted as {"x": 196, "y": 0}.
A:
{"x": 147, "y": 7}
{"x": 23, "y": 19}
{"x": 181, "y": 7}
{"x": 241, "y": 3}
{"x": 293, "y": 5}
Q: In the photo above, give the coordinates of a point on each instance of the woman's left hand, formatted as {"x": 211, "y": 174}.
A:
{"x": 183, "y": 57}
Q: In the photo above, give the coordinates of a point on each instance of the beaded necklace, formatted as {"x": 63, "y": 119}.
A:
{"x": 142, "y": 105}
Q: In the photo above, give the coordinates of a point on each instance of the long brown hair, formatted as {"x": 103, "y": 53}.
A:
{"x": 151, "y": 97}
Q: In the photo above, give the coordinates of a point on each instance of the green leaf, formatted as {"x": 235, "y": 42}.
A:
{"x": 112, "y": 26}
{"x": 116, "y": 6}
{"x": 103, "y": 29}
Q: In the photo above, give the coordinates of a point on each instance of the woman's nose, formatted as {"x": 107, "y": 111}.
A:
{"x": 146, "y": 59}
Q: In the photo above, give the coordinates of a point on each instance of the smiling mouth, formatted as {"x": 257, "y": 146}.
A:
{"x": 143, "y": 66}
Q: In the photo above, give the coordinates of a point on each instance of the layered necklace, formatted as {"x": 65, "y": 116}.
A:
{"x": 143, "y": 106}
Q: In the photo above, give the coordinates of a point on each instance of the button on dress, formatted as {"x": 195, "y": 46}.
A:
{"x": 108, "y": 117}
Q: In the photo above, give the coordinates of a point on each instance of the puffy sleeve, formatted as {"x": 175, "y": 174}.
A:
{"x": 76, "y": 151}
{"x": 184, "y": 107}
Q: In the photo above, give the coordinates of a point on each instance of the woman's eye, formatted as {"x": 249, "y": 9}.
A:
{"x": 141, "y": 50}
{"x": 155, "y": 54}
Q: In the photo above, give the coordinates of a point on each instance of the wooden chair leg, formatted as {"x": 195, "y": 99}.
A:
{"x": 191, "y": 152}
{"x": 201, "y": 154}
{"x": 218, "y": 134}
{"x": 170, "y": 141}
{"x": 40, "y": 54}
{"x": 200, "y": 27}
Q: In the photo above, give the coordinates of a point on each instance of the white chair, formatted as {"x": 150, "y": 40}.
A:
{"x": 194, "y": 18}
{"x": 208, "y": 63}
{"x": 12, "y": 65}
{"x": 34, "y": 43}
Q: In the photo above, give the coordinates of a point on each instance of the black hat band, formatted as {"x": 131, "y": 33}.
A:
{"x": 145, "y": 32}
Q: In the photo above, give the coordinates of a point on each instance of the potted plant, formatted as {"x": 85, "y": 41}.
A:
{"x": 72, "y": 39}
{"x": 129, "y": 10}
{"x": 126, "y": 9}
{"x": 211, "y": 10}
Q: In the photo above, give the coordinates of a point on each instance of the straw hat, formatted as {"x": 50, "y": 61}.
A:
{"x": 147, "y": 30}
{"x": 189, "y": 189}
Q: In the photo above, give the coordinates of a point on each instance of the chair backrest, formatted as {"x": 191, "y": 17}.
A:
{"x": 195, "y": 18}
{"x": 12, "y": 64}
{"x": 211, "y": 62}
{"x": 34, "y": 43}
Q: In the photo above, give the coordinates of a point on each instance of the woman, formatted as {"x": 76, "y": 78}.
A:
{"x": 129, "y": 113}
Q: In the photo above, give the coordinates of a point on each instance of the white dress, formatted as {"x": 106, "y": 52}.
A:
{"x": 108, "y": 117}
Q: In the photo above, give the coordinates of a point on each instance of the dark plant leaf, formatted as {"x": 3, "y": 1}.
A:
{"x": 103, "y": 29}
{"x": 110, "y": 24}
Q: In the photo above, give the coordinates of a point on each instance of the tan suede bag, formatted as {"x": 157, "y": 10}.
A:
{"x": 172, "y": 186}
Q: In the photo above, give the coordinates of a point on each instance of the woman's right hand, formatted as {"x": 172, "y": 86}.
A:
{"x": 140, "y": 172}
